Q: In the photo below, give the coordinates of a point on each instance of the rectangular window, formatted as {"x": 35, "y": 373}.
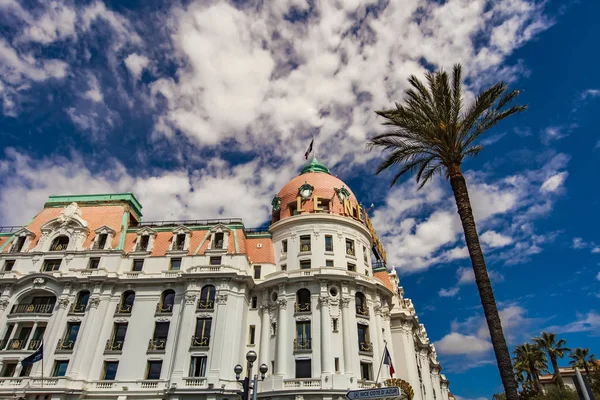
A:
{"x": 154, "y": 368}
{"x": 215, "y": 260}
{"x": 305, "y": 243}
{"x": 329, "y": 263}
{"x": 198, "y": 366}
{"x": 51, "y": 265}
{"x": 293, "y": 209}
{"x": 303, "y": 369}
{"x": 9, "y": 265}
{"x": 138, "y": 265}
{"x": 175, "y": 264}
{"x": 303, "y": 338}
{"x": 365, "y": 255}
{"x": 274, "y": 328}
{"x": 143, "y": 243}
{"x": 257, "y": 272}
{"x": 9, "y": 369}
{"x": 118, "y": 336}
{"x": 336, "y": 362}
{"x": 70, "y": 335}
{"x": 351, "y": 267}
{"x": 202, "y": 333}
{"x": 328, "y": 243}
{"x": 350, "y": 247}
{"x": 60, "y": 367}
{"x": 254, "y": 302}
{"x": 26, "y": 371}
{"x": 109, "y": 372}
{"x": 334, "y": 323}
{"x": 161, "y": 330}
{"x": 18, "y": 246}
{"x": 94, "y": 263}
{"x": 218, "y": 240}
{"x": 251, "y": 334}
{"x": 305, "y": 264}
{"x": 364, "y": 343}
{"x": 179, "y": 242}
{"x": 284, "y": 246}
{"x": 365, "y": 371}
{"x": 284, "y": 267}
{"x": 102, "y": 240}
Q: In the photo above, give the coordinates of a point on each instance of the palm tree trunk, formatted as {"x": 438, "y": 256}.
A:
{"x": 536, "y": 379}
{"x": 557, "y": 375}
{"x": 461, "y": 195}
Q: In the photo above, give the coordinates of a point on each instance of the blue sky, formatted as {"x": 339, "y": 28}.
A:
{"x": 206, "y": 108}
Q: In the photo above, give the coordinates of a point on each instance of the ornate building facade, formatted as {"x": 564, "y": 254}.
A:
{"x": 128, "y": 309}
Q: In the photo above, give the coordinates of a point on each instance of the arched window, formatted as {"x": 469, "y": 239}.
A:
{"x": 303, "y": 300}
{"x": 81, "y": 301}
{"x": 60, "y": 243}
{"x": 126, "y": 304}
{"x": 167, "y": 299}
{"x": 361, "y": 304}
{"x": 207, "y": 298}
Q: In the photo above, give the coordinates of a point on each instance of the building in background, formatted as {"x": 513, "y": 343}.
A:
{"x": 129, "y": 309}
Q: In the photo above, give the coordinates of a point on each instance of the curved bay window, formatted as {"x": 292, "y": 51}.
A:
{"x": 207, "y": 298}
{"x": 126, "y": 304}
{"x": 60, "y": 243}
{"x": 302, "y": 300}
{"x": 167, "y": 299}
{"x": 361, "y": 304}
{"x": 80, "y": 302}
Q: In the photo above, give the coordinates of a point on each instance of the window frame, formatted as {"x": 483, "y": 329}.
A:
{"x": 329, "y": 248}
{"x": 176, "y": 259}
{"x": 135, "y": 262}
{"x": 149, "y": 369}
{"x": 368, "y": 368}
{"x": 284, "y": 246}
{"x": 48, "y": 261}
{"x": 105, "y": 370}
{"x": 305, "y": 262}
{"x": 252, "y": 335}
{"x": 328, "y": 262}
{"x": 350, "y": 247}
{"x": 58, "y": 364}
{"x": 307, "y": 365}
{"x": 351, "y": 267}
{"x": 8, "y": 263}
{"x": 215, "y": 260}
{"x": 304, "y": 247}
{"x": 257, "y": 271}
{"x": 195, "y": 361}
{"x": 93, "y": 263}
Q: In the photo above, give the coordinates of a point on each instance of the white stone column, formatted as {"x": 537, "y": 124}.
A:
{"x": 378, "y": 345}
{"x": 81, "y": 350}
{"x": 265, "y": 334}
{"x": 282, "y": 337}
{"x": 187, "y": 324}
{"x": 444, "y": 385}
{"x": 404, "y": 352}
{"x": 426, "y": 373}
{"x": 349, "y": 349}
{"x": 326, "y": 359}
{"x": 435, "y": 377}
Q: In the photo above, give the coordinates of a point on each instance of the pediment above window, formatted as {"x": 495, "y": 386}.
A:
{"x": 105, "y": 230}
{"x": 146, "y": 231}
{"x": 219, "y": 228}
{"x": 24, "y": 232}
{"x": 181, "y": 229}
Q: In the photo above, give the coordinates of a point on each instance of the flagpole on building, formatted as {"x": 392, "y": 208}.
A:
{"x": 381, "y": 364}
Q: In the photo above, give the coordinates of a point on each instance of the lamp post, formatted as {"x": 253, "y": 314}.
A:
{"x": 250, "y": 357}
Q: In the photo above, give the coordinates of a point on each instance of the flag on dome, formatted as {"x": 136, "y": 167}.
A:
{"x": 309, "y": 150}
{"x": 387, "y": 360}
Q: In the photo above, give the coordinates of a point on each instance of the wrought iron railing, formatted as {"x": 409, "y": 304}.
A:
{"x": 65, "y": 344}
{"x": 302, "y": 344}
{"x": 350, "y": 251}
{"x": 114, "y": 345}
{"x": 305, "y": 247}
{"x": 362, "y": 310}
{"x": 16, "y": 344}
{"x": 366, "y": 347}
{"x": 157, "y": 344}
{"x": 123, "y": 308}
{"x": 32, "y": 308}
{"x": 59, "y": 246}
{"x": 302, "y": 307}
{"x": 206, "y": 304}
{"x": 77, "y": 308}
{"x": 200, "y": 341}
{"x": 164, "y": 308}
{"x": 34, "y": 344}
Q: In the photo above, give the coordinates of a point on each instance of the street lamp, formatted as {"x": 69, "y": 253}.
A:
{"x": 250, "y": 357}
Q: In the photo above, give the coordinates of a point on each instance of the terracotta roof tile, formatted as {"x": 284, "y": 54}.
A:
{"x": 384, "y": 278}
{"x": 195, "y": 240}
{"x": 162, "y": 242}
{"x": 130, "y": 239}
{"x": 241, "y": 240}
{"x": 262, "y": 254}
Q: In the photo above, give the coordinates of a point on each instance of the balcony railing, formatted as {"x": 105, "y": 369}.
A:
{"x": 59, "y": 247}
{"x": 206, "y": 304}
{"x": 362, "y": 310}
{"x": 200, "y": 341}
{"x": 314, "y": 383}
{"x": 157, "y": 344}
{"x": 379, "y": 264}
{"x": 34, "y": 344}
{"x": 302, "y": 307}
{"x": 77, "y": 308}
{"x": 350, "y": 251}
{"x": 114, "y": 345}
{"x": 65, "y": 345}
{"x": 300, "y": 345}
{"x": 123, "y": 308}
{"x": 32, "y": 309}
{"x": 164, "y": 308}
{"x": 16, "y": 344}
{"x": 365, "y": 347}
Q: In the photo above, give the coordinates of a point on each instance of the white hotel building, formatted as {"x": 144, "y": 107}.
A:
{"x": 129, "y": 309}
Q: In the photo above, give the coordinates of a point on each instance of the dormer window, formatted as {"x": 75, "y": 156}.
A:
{"x": 181, "y": 238}
{"x": 102, "y": 240}
{"x": 143, "y": 242}
{"x": 218, "y": 240}
{"x": 17, "y": 247}
{"x": 179, "y": 242}
{"x": 60, "y": 243}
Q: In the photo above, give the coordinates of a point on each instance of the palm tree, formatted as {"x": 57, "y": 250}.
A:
{"x": 531, "y": 359}
{"x": 555, "y": 349}
{"x": 581, "y": 358}
{"x": 432, "y": 133}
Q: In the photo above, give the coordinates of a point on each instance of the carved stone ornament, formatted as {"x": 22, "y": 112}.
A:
{"x": 74, "y": 319}
{"x": 203, "y": 315}
{"x": 282, "y": 303}
{"x": 323, "y": 301}
{"x": 190, "y": 299}
{"x": 121, "y": 320}
{"x": 3, "y": 304}
{"x": 39, "y": 282}
{"x": 94, "y": 302}
{"x": 222, "y": 298}
{"x": 345, "y": 302}
{"x": 303, "y": 318}
{"x": 35, "y": 259}
{"x": 162, "y": 319}
{"x": 62, "y": 302}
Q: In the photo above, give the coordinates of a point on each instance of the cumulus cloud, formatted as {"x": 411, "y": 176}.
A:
{"x": 458, "y": 344}
{"x": 495, "y": 239}
{"x": 136, "y": 63}
{"x": 56, "y": 22}
{"x": 588, "y": 322}
{"x": 94, "y": 93}
{"x": 448, "y": 292}
{"x": 554, "y": 182}
{"x": 578, "y": 243}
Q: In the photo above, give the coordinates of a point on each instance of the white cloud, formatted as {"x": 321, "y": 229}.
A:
{"x": 590, "y": 93}
{"x": 94, "y": 93}
{"x": 458, "y": 344}
{"x": 465, "y": 275}
{"x": 598, "y": 276}
{"x": 578, "y": 243}
{"x": 589, "y": 322}
{"x": 596, "y": 249}
{"x": 57, "y": 22}
{"x": 448, "y": 292}
{"x": 494, "y": 239}
{"x": 136, "y": 63}
{"x": 553, "y": 183}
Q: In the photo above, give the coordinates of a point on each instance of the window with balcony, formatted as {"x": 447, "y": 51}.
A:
{"x": 254, "y": 302}
{"x": 36, "y": 339}
{"x": 17, "y": 246}
{"x": 153, "y": 370}
{"x": 125, "y": 306}
{"x": 94, "y": 263}
{"x": 303, "y": 337}
{"x": 201, "y": 336}
{"x": 175, "y": 264}
{"x": 51, "y": 265}
{"x": 218, "y": 240}
{"x": 351, "y": 267}
{"x": 109, "y": 370}
{"x": 138, "y": 265}
{"x": 329, "y": 263}
{"x": 366, "y": 371}
{"x": 303, "y": 369}
{"x": 284, "y": 246}
{"x": 364, "y": 342}
{"x": 361, "y": 304}
{"x": 304, "y": 264}
{"x": 67, "y": 343}
{"x": 81, "y": 302}
{"x": 257, "y": 272}
{"x": 179, "y": 244}
{"x": 251, "y": 334}
{"x": 328, "y": 243}
{"x": 350, "y": 247}
{"x": 198, "y": 366}
{"x": 302, "y": 300}
{"x": 215, "y": 260}
{"x": 207, "y": 298}
{"x": 60, "y": 367}
{"x": 38, "y": 305}
{"x": 159, "y": 339}
{"x": 117, "y": 340}
{"x": 60, "y": 243}
{"x": 8, "y": 370}
{"x": 20, "y": 339}
{"x": 142, "y": 244}
{"x": 305, "y": 243}
{"x": 167, "y": 300}
{"x": 8, "y": 265}
{"x": 101, "y": 243}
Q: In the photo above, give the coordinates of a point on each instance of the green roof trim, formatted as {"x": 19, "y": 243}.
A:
{"x": 136, "y": 207}
{"x": 314, "y": 166}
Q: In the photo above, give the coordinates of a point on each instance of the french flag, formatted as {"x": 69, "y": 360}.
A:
{"x": 387, "y": 360}
{"x": 309, "y": 149}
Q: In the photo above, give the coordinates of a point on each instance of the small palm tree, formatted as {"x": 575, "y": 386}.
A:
{"x": 581, "y": 358}
{"x": 531, "y": 359}
{"x": 432, "y": 133}
{"x": 555, "y": 349}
